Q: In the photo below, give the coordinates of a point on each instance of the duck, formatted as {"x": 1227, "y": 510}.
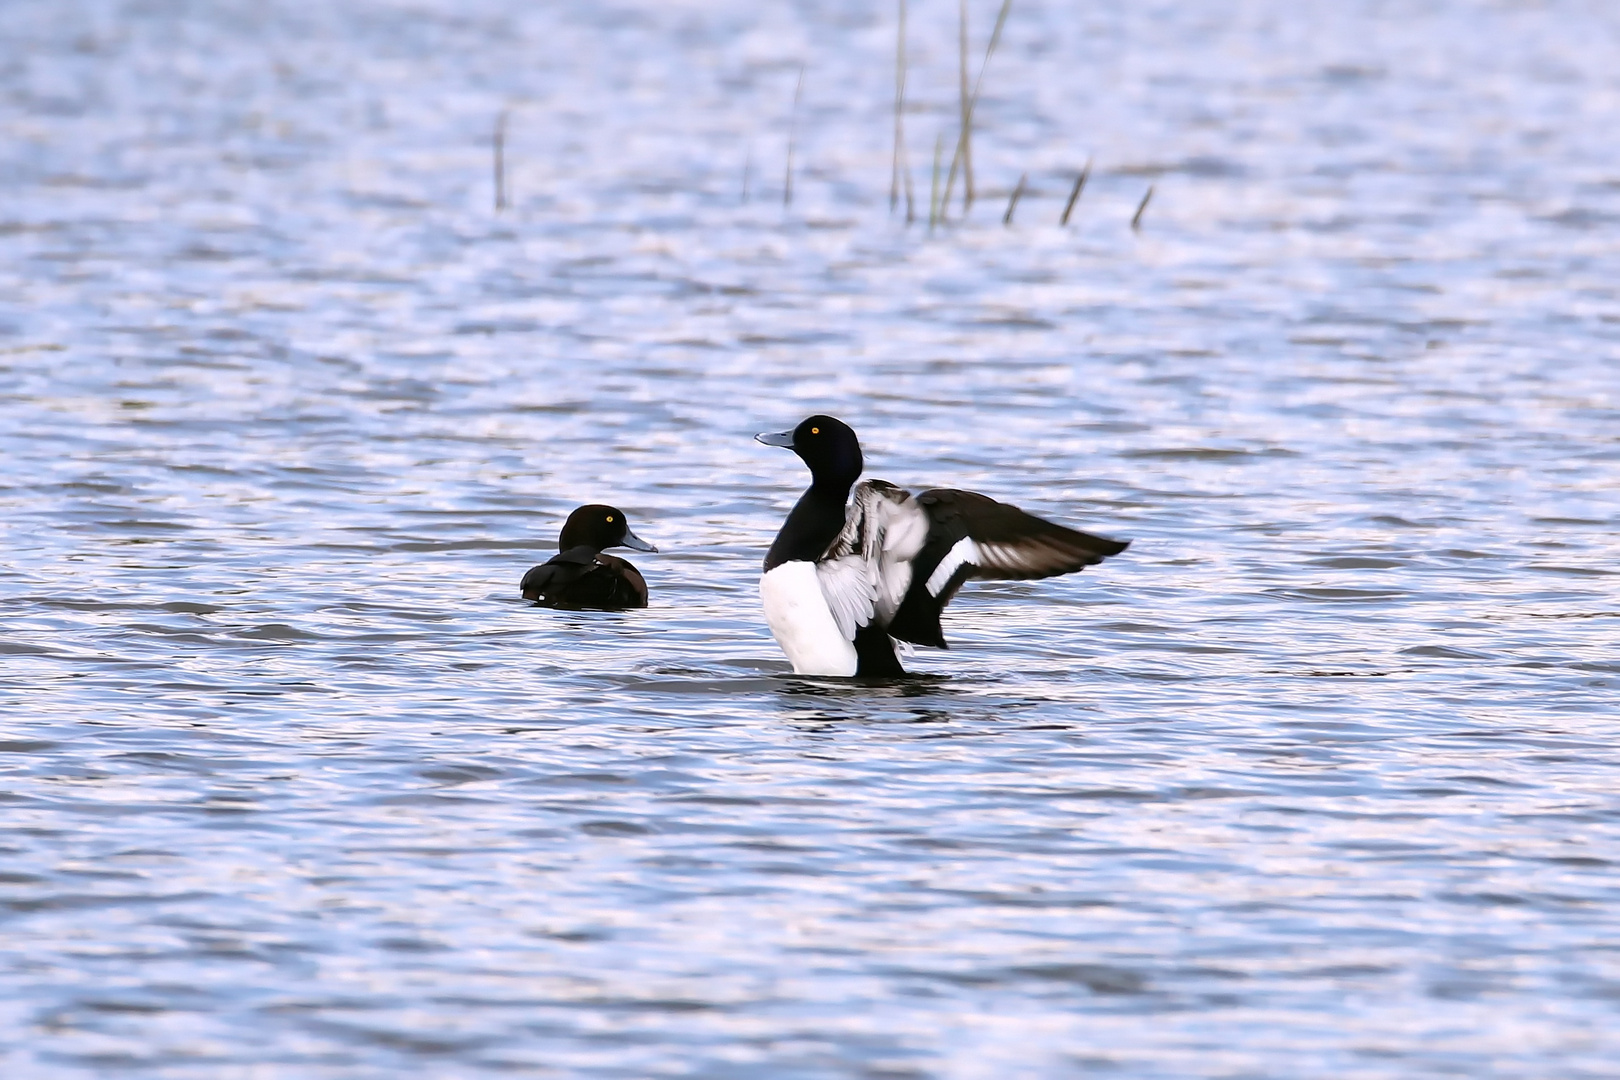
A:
{"x": 847, "y": 577}
{"x": 579, "y": 577}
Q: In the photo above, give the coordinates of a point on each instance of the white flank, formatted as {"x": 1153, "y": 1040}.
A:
{"x": 963, "y": 551}
{"x": 797, "y": 612}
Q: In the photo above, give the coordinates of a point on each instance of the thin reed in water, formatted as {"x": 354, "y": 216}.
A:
{"x": 1074, "y": 195}
{"x": 500, "y": 161}
{"x": 899, "y": 112}
{"x": 965, "y": 145}
{"x": 793, "y": 132}
{"x": 964, "y": 149}
{"x": 1136, "y": 221}
{"x": 1012, "y": 203}
{"x": 911, "y": 206}
{"x": 933, "y": 190}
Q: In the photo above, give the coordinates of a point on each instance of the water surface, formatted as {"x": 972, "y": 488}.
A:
{"x": 1318, "y": 779}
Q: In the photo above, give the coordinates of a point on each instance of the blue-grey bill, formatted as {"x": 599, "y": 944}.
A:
{"x": 775, "y": 438}
{"x": 635, "y": 543}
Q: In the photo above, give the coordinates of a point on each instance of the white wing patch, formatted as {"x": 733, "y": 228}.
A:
{"x": 846, "y": 582}
{"x": 963, "y": 552}
{"x": 867, "y": 568}
{"x": 901, "y": 530}
{"x": 1011, "y": 558}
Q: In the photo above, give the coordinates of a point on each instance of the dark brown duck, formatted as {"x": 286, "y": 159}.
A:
{"x": 579, "y": 577}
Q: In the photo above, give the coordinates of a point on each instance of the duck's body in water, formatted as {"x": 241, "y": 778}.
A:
{"x": 579, "y": 576}
{"x": 841, "y": 581}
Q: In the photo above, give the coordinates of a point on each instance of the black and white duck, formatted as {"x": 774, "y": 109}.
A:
{"x": 845, "y": 576}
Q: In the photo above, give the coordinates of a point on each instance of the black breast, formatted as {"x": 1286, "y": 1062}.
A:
{"x": 811, "y": 527}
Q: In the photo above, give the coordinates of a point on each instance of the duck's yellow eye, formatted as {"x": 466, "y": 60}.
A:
{"x": 815, "y": 431}
{"x": 610, "y": 517}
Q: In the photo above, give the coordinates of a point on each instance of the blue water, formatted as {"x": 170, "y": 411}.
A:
{"x": 1318, "y": 779}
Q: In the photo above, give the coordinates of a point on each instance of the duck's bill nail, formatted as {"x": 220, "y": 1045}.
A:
{"x": 775, "y": 438}
{"x": 636, "y": 543}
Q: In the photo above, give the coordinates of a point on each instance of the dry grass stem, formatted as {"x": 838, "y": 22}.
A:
{"x": 1074, "y": 195}
{"x": 1136, "y": 221}
{"x": 933, "y": 190}
{"x": 905, "y": 167}
{"x": 965, "y": 146}
{"x": 963, "y": 158}
{"x": 500, "y": 162}
{"x": 899, "y": 113}
{"x": 1012, "y": 203}
{"x": 793, "y": 132}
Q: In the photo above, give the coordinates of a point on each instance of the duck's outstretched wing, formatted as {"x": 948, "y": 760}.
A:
{"x": 974, "y": 536}
{"x": 868, "y": 567}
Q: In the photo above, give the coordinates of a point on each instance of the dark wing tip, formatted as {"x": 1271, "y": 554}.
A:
{"x": 1017, "y": 545}
{"x": 1106, "y": 546}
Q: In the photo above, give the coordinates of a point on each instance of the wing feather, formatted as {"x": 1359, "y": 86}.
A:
{"x": 974, "y": 536}
{"x": 867, "y": 568}
{"x": 846, "y": 583}
{"x": 1007, "y": 543}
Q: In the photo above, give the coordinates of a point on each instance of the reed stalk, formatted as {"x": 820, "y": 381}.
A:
{"x": 1012, "y": 203}
{"x": 933, "y": 190}
{"x": 748, "y": 171}
{"x": 793, "y": 132}
{"x": 899, "y": 111}
{"x": 1074, "y": 195}
{"x": 963, "y": 157}
{"x": 966, "y": 145}
{"x": 499, "y": 163}
{"x": 905, "y": 167}
{"x": 1136, "y": 221}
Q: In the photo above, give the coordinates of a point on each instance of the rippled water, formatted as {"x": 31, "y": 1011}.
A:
{"x": 1318, "y": 779}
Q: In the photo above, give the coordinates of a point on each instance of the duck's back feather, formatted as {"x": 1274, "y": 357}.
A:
{"x": 585, "y": 579}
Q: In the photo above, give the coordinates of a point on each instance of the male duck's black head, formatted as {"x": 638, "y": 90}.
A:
{"x": 828, "y": 446}
{"x": 597, "y": 527}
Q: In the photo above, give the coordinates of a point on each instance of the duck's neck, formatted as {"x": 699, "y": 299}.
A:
{"x": 816, "y": 519}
